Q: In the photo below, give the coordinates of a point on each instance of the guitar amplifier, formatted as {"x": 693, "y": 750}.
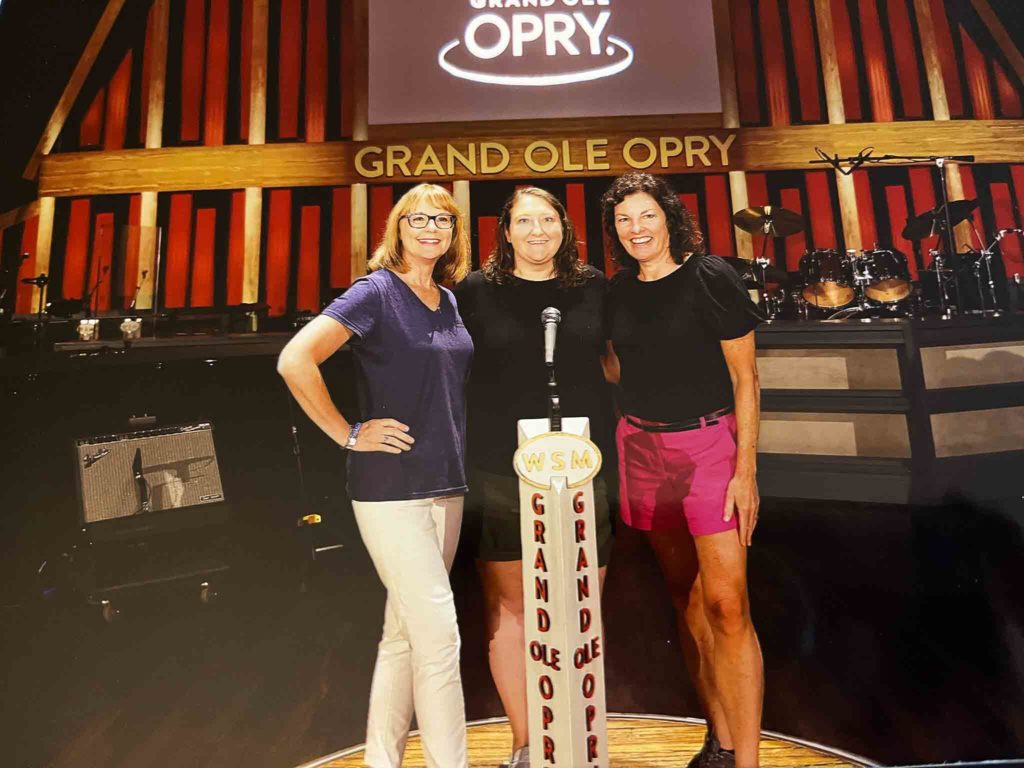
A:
{"x": 149, "y": 478}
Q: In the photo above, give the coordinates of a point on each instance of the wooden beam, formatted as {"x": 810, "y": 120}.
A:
{"x": 829, "y": 62}
{"x": 359, "y": 227}
{"x": 461, "y": 192}
{"x": 726, "y": 64}
{"x": 999, "y": 34}
{"x": 932, "y": 64}
{"x": 44, "y": 241}
{"x": 253, "y": 242}
{"x": 360, "y": 75}
{"x": 740, "y": 200}
{"x": 74, "y": 85}
{"x": 157, "y": 88}
{"x": 848, "y": 211}
{"x": 258, "y": 72}
{"x": 18, "y": 215}
{"x": 333, "y": 164}
{"x": 149, "y": 243}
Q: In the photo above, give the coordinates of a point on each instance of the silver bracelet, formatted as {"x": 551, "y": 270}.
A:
{"x": 353, "y": 435}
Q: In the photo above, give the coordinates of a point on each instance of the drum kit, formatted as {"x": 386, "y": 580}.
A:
{"x": 868, "y": 283}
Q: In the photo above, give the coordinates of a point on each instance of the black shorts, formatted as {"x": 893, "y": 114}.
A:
{"x": 490, "y": 518}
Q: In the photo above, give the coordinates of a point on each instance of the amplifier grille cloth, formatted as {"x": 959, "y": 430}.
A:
{"x": 179, "y": 466}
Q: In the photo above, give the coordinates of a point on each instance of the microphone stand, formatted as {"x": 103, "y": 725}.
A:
{"x": 554, "y": 405}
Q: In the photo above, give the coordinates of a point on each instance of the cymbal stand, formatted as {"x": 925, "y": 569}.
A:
{"x": 950, "y": 243}
{"x": 938, "y": 264}
{"x": 761, "y": 262}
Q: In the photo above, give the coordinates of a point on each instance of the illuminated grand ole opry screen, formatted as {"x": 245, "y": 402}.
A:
{"x": 465, "y": 60}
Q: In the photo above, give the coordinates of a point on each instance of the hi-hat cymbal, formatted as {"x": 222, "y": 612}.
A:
{"x": 769, "y": 220}
{"x": 933, "y": 222}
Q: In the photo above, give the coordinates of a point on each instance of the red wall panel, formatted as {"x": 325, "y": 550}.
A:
{"x": 977, "y": 79}
{"x": 217, "y": 49}
{"x": 117, "y": 105}
{"x": 279, "y": 240}
{"x": 289, "y": 71}
{"x": 130, "y": 277}
{"x": 1010, "y": 246}
{"x": 316, "y": 70}
{"x": 746, "y": 62}
{"x": 719, "y": 209}
{"x": 486, "y": 233}
{"x": 905, "y": 58}
{"x": 308, "y": 297}
{"x": 76, "y": 255}
{"x": 178, "y": 252}
{"x": 865, "y": 210}
{"x": 879, "y": 89}
{"x": 147, "y": 64}
{"x": 795, "y": 245}
{"x": 236, "y": 249}
{"x": 774, "y": 62}
{"x": 805, "y": 56}
{"x": 576, "y": 206}
{"x": 896, "y": 200}
{"x": 100, "y": 268}
{"x": 382, "y": 198}
{"x": 29, "y": 235}
{"x": 341, "y": 242}
{"x": 91, "y": 131}
{"x": 244, "y": 70}
{"x": 821, "y": 215}
{"x": 971, "y": 193}
{"x": 201, "y": 294}
{"x": 193, "y": 46}
{"x": 1009, "y": 98}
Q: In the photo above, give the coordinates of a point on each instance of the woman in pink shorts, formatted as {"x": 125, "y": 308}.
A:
{"x": 681, "y": 348}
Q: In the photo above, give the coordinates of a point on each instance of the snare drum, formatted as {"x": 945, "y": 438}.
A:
{"x": 890, "y": 278}
{"x": 828, "y": 279}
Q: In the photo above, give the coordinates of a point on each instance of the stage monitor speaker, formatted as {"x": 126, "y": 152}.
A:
{"x": 149, "y": 480}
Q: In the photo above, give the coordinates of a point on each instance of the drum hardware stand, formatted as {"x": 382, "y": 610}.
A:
{"x": 861, "y": 280}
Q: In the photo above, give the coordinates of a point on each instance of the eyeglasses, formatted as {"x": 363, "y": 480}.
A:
{"x": 420, "y": 220}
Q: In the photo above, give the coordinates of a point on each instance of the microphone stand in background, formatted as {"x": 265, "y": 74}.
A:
{"x": 550, "y": 318}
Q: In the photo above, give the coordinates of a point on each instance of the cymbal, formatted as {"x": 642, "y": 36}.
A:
{"x": 749, "y": 271}
{"x": 769, "y": 220}
{"x": 933, "y": 222}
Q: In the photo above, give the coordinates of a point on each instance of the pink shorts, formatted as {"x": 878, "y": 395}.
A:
{"x": 667, "y": 479}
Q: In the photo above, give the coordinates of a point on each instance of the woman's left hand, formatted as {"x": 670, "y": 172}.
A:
{"x": 742, "y": 500}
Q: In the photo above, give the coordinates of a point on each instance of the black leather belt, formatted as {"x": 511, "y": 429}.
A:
{"x": 682, "y": 426}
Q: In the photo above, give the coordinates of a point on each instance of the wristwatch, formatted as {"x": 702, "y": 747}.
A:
{"x": 353, "y": 435}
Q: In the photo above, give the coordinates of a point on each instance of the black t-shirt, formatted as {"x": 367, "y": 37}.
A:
{"x": 508, "y": 379}
{"x": 666, "y": 334}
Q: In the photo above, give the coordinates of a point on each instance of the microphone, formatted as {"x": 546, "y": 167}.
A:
{"x": 550, "y": 318}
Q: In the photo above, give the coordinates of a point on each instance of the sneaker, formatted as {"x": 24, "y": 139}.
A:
{"x": 520, "y": 759}
{"x": 708, "y": 752}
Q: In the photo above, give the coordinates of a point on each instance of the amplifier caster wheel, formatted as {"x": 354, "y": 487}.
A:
{"x": 109, "y": 612}
{"x": 207, "y": 594}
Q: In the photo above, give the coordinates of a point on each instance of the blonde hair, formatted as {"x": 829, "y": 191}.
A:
{"x": 455, "y": 264}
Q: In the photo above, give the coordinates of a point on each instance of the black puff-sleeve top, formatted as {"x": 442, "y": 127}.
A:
{"x": 667, "y": 334}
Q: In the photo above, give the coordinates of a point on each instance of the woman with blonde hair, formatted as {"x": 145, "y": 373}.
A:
{"x": 405, "y": 460}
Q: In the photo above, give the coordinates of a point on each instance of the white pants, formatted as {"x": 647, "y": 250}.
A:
{"x": 412, "y": 544}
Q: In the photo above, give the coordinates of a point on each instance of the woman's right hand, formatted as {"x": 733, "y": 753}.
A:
{"x": 385, "y": 435}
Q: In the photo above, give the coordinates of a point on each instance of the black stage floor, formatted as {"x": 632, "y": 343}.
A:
{"x": 890, "y": 632}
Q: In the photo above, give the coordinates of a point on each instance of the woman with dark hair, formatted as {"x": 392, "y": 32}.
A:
{"x": 682, "y": 352}
{"x": 405, "y": 460}
{"x": 534, "y": 265}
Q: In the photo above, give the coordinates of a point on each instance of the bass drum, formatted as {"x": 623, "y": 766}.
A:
{"x": 828, "y": 279}
{"x": 890, "y": 277}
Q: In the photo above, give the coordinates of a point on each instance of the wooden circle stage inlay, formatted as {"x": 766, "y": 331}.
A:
{"x": 635, "y": 742}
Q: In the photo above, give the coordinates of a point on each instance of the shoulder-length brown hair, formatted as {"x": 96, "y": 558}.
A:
{"x": 455, "y": 264}
{"x": 502, "y": 261}
{"x": 684, "y": 233}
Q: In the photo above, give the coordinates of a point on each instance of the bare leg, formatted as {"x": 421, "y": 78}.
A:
{"x": 738, "y": 668}
{"x": 677, "y": 557}
{"x": 506, "y": 646}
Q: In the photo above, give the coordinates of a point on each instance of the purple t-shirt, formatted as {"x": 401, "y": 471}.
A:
{"x": 411, "y": 365}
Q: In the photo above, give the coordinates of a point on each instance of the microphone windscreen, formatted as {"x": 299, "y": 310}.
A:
{"x": 550, "y": 315}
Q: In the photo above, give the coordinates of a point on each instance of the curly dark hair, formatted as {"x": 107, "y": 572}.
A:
{"x": 685, "y": 236}
{"x": 501, "y": 262}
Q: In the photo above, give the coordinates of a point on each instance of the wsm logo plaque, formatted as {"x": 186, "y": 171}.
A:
{"x": 559, "y": 43}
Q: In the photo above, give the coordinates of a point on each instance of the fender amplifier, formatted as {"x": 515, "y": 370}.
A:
{"x": 148, "y": 480}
